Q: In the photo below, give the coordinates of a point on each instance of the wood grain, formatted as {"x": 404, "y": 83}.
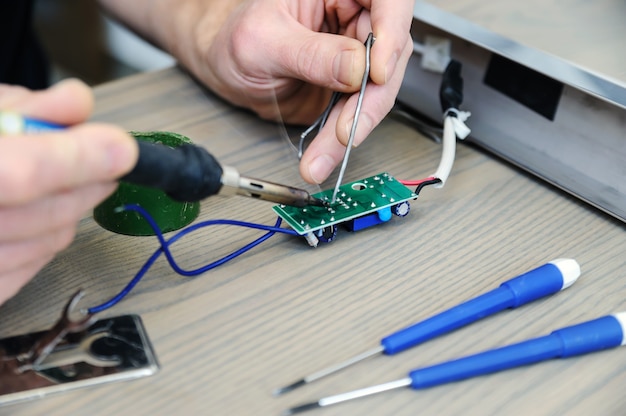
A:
{"x": 227, "y": 338}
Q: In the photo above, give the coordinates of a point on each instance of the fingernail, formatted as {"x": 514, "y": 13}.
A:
{"x": 363, "y": 129}
{"x": 343, "y": 66}
{"x": 320, "y": 168}
{"x": 391, "y": 66}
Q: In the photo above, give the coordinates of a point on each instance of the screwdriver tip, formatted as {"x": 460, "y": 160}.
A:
{"x": 288, "y": 388}
{"x": 302, "y": 408}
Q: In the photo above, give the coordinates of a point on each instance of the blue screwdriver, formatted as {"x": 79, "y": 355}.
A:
{"x": 591, "y": 336}
{"x": 545, "y": 280}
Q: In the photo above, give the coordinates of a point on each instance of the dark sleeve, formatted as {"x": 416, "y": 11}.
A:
{"x": 22, "y": 61}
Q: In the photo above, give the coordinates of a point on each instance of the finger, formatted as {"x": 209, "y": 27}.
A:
{"x": 391, "y": 26}
{"x": 67, "y": 102}
{"x": 53, "y": 213}
{"x": 12, "y": 282}
{"x": 38, "y": 165}
{"x": 377, "y": 102}
{"x": 14, "y": 256}
{"x": 328, "y": 60}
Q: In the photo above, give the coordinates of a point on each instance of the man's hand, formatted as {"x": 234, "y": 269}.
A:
{"x": 48, "y": 181}
{"x": 284, "y": 58}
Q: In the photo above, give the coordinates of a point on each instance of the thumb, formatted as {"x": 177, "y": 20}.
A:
{"x": 331, "y": 61}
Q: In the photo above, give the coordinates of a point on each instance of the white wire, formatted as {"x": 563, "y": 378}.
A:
{"x": 447, "y": 153}
{"x": 453, "y": 126}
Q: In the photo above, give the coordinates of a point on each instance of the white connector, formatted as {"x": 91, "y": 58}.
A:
{"x": 458, "y": 121}
{"x": 311, "y": 239}
{"x": 435, "y": 53}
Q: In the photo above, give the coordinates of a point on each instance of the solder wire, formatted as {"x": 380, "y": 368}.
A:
{"x": 292, "y": 150}
{"x": 319, "y": 123}
{"x": 164, "y": 249}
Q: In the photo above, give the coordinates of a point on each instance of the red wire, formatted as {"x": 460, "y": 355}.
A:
{"x": 417, "y": 182}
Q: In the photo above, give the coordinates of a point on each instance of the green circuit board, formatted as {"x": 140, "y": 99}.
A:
{"x": 354, "y": 199}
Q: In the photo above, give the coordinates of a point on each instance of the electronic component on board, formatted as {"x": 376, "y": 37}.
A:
{"x": 360, "y": 204}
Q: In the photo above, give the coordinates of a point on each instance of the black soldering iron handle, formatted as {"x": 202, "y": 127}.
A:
{"x": 186, "y": 173}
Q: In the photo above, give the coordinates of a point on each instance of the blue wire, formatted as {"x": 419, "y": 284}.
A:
{"x": 165, "y": 244}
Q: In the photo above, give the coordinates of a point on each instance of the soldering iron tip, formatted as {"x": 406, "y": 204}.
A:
{"x": 302, "y": 408}
{"x": 290, "y": 387}
{"x": 318, "y": 202}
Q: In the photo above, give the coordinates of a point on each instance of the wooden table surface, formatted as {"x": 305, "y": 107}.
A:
{"x": 227, "y": 338}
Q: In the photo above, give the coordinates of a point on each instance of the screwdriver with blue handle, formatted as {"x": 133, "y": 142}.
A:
{"x": 584, "y": 338}
{"x": 538, "y": 283}
{"x": 185, "y": 173}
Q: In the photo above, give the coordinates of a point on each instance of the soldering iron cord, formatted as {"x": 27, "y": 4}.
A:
{"x": 165, "y": 244}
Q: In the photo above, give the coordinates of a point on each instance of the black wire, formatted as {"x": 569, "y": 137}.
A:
{"x": 426, "y": 183}
{"x": 451, "y": 88}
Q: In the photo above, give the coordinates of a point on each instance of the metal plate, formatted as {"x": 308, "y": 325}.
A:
{"x": 354, "y": 199}
{"x": 580, "y": 151}
{"x": 120, "y": 345}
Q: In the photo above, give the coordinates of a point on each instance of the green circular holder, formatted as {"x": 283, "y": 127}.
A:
{"x": 170, "y": 215}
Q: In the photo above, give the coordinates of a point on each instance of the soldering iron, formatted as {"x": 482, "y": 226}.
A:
{"x": 185, "y": 173}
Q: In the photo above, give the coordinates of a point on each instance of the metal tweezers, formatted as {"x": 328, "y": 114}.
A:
{"x": 319, "y": 123}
